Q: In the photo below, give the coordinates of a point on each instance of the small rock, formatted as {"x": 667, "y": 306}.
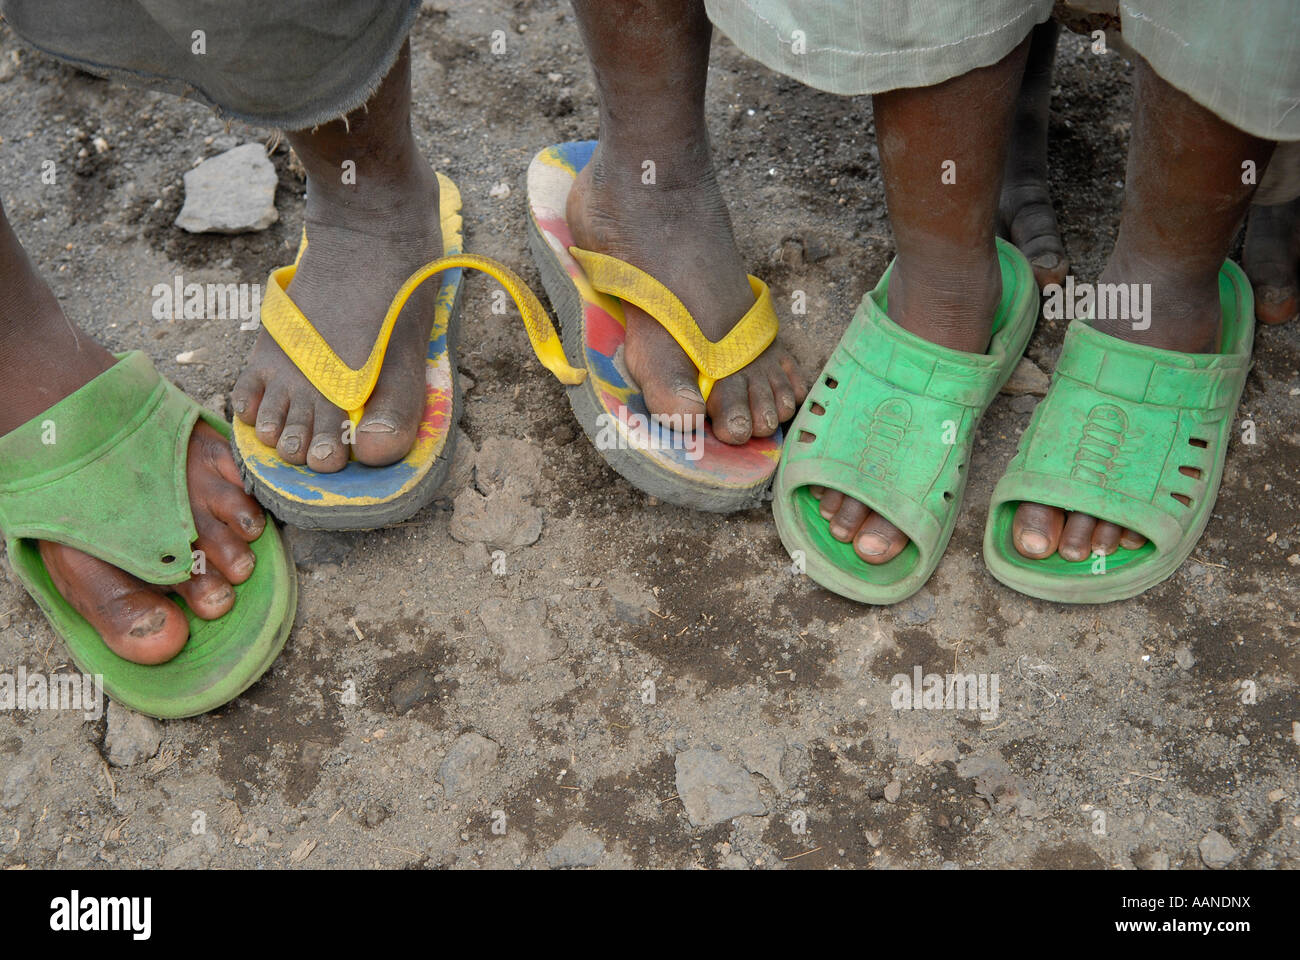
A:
{"x": 131, "y": 737}
{"x": 499, "y": 191}
{"x": 1027, "y": 379}
{"x": 468, "y": 760}
{"x": 714, "y": 790}
{"x": 1183, "y": 657}
{"x": 762, "y": 754}
{"x": 1276, "y": 796}
{"x": 579, "y": 847}
{"x": 503, "y": 521}
{"x": 193, "y": 356}
{"x": 630, "y": 603}
{"x": 1216, "y": 851}
{"x": 233, "y": 192}
{"x": 1025, "y": 403}
{"x": 1152, "y": 860}
{"x": 415, "y": 687}
{"x": 893, "y": 790}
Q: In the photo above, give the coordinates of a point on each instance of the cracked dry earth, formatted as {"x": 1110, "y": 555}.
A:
{"x": 559, "y": 672}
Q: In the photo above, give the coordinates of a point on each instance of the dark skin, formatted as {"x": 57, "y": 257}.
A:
{"x": 366, "y": 238}
{"x": 650, "y": 61}
{"x": 1272, "y": 261}
{"x": 44, "y": 357}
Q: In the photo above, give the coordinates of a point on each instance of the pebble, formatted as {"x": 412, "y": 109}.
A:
{"x": 1184, "y": 658}
{"x": 468, "y": 761}
{"x": 579, "y": 847}
{"x": 1216, "y": 851}
{"x": 714, "y": 790}
{"x": 233, "y": 192}
{"x": 1027, "y": 378}
{"x": 131, "y": 737}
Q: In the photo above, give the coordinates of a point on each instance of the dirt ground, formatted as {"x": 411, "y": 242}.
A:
{"x": 1125, "y": 733}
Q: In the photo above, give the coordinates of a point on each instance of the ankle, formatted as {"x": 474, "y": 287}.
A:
{"x": 950, "y": 302}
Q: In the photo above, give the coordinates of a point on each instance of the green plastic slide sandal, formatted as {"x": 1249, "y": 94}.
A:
{"x": 1108, "y": 439}
{"x": 890, "y": 422}
{"x": 104, "y": 471}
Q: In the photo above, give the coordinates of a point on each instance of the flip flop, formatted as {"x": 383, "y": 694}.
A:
{"x": 1118, "y": 421}
{"x": 112, "y": 484}
{"x": 591, "y": 294}
{"x": 361, "y": 497}
{"x": 890, "y": 422}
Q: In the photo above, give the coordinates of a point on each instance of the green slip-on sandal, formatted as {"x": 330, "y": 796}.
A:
{"x": 104, "y": 471}
{"x": 1118, "y": 421}
{"x": 890, "y": 423}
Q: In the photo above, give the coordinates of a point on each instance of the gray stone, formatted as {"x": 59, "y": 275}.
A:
{"x": 233, "y": 192}
{"x": 131, "y": 737}
{"x": 416, "y": 687}
{"x": 1216, "y": 851}
{"x": 502, "y": 521}
{"x": 630, "y": 603}
{"x": 762, "y": 754}
{"x": 1027, "y": 379}
{"x": 1152, "y": 860}
{"x": 714, "y": 790}
{"x": 1184, "y": 658}
{"x": 579, "y": 847}
{"x": 468, "y": 761}
{"x": 1024, "y": 403}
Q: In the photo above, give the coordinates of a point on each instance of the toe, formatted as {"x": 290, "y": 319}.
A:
{"x": 762, "y": 407}
{"x": 296, "y": 433}
{"x": 1036, "y": 530}
{"x": 389, "y": 426}
{"x": 848, "y": 519}
{"x": 1276, "y": 304}
{"x": 879, "y": 541}
{"x": 328, "y": 453}
{"x": 246, "y": 396}
{"x": 235, "y": 508}
{"x": 1130, "y": 540}
{"x": 224, "y": 551}
{"x": 1076, "y": 538}
{"x": 135, "y": 620}
{"x": 729, "y": 410}
{"x": 209, "y": 594}
{"x": 830, "y": 503}
{"x": 667, "y": 377}
{"x": 271, "y": 413}
{"x": 1105, "y": 537}
{"x": 783, "y": 394}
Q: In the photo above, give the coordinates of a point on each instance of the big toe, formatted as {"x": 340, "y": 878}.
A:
{"x": 135, "y": 620}
{"x": 391, "y": 421}
{"x": 1036, "y": 530}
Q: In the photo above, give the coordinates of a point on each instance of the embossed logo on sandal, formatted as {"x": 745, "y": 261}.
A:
{"x": 1098, "y": 453}
{"x": 887, "y": 439}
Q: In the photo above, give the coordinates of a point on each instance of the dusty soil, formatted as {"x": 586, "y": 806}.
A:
{"x": 1108, "y": 750}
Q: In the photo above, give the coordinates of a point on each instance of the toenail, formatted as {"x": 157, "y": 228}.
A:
{"x": 378, "y": 425}
{"x": 238, "y": 405}
{"x": 1033, "y": 542}
{"x": 149, "y": 624}
{"x": 1046, "y": 261}
{"x": 290, "y": 443}
{"x": 217, "y": 597}
{"x": 872, "y": 544}
{"x": 839, "y": 532}
{"x": 323, "y": 449}
{"x": 689, "y": 394}
{"x": 266, "y": 426}
{"x": 244, "y": 564}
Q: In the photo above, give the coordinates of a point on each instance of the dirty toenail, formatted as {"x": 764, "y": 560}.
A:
{"x": 739, "y": 425}
{"x": 839, "y": 532}
{"x": 290, "y": 443}
{"x": 689, "y": 394}
{"x": 872, "y": 544}
{"x": 378, "y": 425}
{"x": 217, "y": 597}
{"x": 1033, "y": 542}
{"x": 244, "y": 565}
{"x": 238, "y": 405}
{"x": 149, "y": 624}
{"x": 322, "y": 449}
{"x": 266, "y": 426}
{"x": 1046, "y": 261}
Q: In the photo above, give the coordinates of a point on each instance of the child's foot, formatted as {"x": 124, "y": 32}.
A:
{"x": 372, "y": 220}
{"x": 1025, "y": 213}
{"x": 363, "y": 243}
{"x": 678, "y": 231}
{"x": 135, "y": 619}
{"x": 950, "y": 300}
{"x": 1185, "y": 316}
{"x": 1272, "y": 260}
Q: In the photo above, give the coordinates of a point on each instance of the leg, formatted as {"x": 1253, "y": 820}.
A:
{"x": 1025, "y": 209}
{"x": 44, "y": 358}
{"x": 1183, "y": 203}
{"x": 1272, "y": 260}
{"x": 365, "y": 238}
{"x": 650, "y": 61}
{"x": 946, "y": 282}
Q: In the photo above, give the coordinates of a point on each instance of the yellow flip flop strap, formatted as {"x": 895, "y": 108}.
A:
{"x": 349, "y": 389}
{"x": 752, "y": 335}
